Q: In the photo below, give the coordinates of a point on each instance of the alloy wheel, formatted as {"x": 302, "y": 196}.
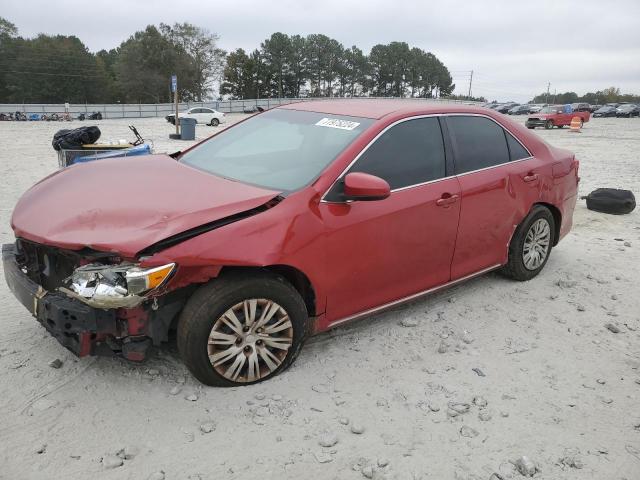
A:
{"x": 250, "y": 340}
{"x": 536, "y": 244}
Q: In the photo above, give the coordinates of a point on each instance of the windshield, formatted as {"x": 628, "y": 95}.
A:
{"x": 551, "y": 109}
{"x": 605, "y": 109}
{"x": 279, "y": 149}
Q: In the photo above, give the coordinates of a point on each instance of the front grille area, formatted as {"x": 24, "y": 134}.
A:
{"x": 50, "y": 266}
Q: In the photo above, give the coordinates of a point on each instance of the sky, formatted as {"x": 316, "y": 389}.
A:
{"x": 515, "y": 48}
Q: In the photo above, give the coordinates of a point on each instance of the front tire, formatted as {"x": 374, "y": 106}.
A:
{"x": 548, "y": 124}
{"x": 531, "y": 245}
{"x": 242, "y": 328}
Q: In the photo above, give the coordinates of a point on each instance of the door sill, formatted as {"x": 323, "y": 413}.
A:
{"x": 409, "y": 298}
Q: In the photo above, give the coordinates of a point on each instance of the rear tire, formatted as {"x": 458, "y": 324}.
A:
{"x": 530, "y": 245}
{"x": 214, "y": 122}
{"x": 211, "y": 340}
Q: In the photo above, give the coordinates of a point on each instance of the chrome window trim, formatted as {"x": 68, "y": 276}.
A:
{"x": 382, "y": 132}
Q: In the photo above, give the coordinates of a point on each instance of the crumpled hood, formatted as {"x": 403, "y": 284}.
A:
{"x": 126, "y": 204}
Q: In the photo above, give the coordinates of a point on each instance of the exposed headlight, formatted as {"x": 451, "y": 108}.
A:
{"x": 141, "y": 280}
{"x": 112, "y": 286}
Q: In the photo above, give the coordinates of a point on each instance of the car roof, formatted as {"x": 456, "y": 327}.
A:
{"x": 378, "y": 108}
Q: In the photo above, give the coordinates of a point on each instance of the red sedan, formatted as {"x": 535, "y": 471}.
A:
{"x": 291, "y": 222}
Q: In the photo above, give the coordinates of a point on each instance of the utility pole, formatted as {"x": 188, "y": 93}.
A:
{"x": 470, "y": 81}
{"x": 548, "y": 86}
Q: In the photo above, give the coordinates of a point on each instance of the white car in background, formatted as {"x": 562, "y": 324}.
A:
{"x": 208, "y": 116}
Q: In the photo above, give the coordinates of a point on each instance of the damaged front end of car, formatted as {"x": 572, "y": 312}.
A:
{"x": 94, "y": 303}
{"x": 125, "y": 285}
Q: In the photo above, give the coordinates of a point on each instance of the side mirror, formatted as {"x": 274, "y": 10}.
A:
{"x": 362, "y": 186}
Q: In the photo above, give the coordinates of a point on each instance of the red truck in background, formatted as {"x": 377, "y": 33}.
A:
{"x": 556, "y": 116}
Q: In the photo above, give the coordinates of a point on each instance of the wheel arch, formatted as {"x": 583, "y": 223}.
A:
{"x": 557, "y": 219}
{"x": 297, "y": 278}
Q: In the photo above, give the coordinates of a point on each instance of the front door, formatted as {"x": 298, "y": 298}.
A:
{"x": 381, "y": 251}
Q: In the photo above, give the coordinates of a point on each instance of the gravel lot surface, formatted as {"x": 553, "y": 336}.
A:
{"x": 460, "y": 385}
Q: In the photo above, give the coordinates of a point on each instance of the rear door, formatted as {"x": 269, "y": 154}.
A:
{"x": 499, "y": 181}
{"x": 384, "y": 250}
{"x": 207, "y": 115}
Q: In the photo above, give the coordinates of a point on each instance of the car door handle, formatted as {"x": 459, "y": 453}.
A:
{"x": 446, "y": 199}
{"x": 532, "y": 177}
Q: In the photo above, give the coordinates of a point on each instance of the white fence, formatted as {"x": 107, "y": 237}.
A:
{"x": 143, "y": 110}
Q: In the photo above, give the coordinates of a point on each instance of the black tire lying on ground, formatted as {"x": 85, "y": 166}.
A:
{"x": 611, "y": 200}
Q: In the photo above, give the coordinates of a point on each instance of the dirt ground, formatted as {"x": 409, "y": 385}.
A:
{"x": 459, "y": 385}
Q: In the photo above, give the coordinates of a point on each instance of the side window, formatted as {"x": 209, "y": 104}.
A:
{"x": 479, "y": 143}
{"x": 516, "y": 150}
{"x": 409, "y": 153}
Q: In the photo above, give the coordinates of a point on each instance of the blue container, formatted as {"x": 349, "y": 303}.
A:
{"x": 138, "y": 150}
{"x": 187, "y": 129}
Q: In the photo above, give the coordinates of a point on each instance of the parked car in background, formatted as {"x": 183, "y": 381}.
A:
{"x": 628, "y": 110}
{"x": 505, "y": 107}
{"x": 520, "y": 110}
{"x": 606, "y": 111}
{"x": 594, "y": 107}
{"x": 290, "y": 223}
{"x": 555, "y": 116}
{"x": 207, "y": 116}
{"x": 581, "y": 107}
{"x": 536, "y": 107}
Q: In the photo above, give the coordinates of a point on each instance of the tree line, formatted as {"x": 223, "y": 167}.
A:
{"x": 320, "y": 66}
{"x": 608, "y": 95}
{"x": 59, "y": 68}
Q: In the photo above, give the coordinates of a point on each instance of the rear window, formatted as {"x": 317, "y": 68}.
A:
{"x": 479, "y": 143}
{"x": 516, "y": 150}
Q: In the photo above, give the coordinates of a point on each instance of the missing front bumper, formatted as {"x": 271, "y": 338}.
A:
{"x": 82, "y": 329}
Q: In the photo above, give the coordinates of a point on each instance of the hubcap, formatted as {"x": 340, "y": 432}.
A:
{"x": 250, "y": 340}
{"x": 536, "y": 244}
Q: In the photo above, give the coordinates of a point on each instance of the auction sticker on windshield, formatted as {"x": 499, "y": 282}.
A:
{"x": 337, "y": 123}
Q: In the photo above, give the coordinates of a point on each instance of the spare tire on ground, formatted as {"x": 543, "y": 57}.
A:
{"x": 74, "y": 139}
{"x": 611, "y": 200}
